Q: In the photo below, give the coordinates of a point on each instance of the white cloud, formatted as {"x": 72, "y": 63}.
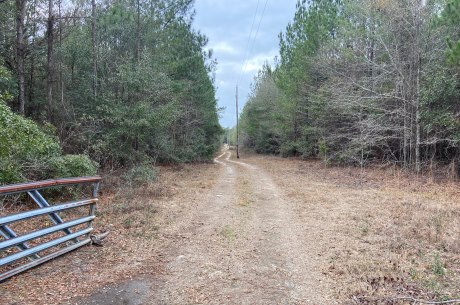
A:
{"x": 255, "y": 63}
{"x": 228, "y": 67}
{"x": 225, "y": 84}
{"x": 224, "y": 47}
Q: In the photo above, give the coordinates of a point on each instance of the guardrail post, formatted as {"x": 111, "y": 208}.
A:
{"x": 92, "y": 207}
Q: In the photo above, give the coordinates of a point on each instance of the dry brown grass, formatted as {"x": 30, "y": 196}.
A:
{"x": 389, "y": 234}
{"x": 138, "y": 221}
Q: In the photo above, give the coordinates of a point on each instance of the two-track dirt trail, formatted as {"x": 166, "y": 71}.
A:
{"x": 244, "y": 245}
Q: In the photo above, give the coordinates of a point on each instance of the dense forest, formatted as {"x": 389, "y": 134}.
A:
{"x": 362, "y": 81}
{"x": 102, "y": 83}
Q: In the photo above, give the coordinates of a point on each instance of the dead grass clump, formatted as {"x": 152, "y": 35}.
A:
{"x": 418, "y": 231}
{"x": 244, "y": 195}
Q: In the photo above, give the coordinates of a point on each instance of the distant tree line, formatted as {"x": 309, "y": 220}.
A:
{"x": 362, "y": 81}
{"x": 124, "y": 82}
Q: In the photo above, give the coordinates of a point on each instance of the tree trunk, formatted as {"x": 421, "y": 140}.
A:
{"x": 50, "y": 61}
{"x": 418, "y": 21}
{"x": 61, "y": 79}
{"x": 20, "y": 52}
{"x": 417, "y": 124}
{"x": 138, "y": 33}
{"x": 94, "y": 47}
{"x": 32, "y": 56}
{"x": 405, "y": 133}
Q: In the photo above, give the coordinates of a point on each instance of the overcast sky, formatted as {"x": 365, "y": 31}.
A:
{"x": 227, "y": 24}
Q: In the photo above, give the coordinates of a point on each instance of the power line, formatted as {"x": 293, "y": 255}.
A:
{"x": 252, "y": 27}
{"x": 248, "y": 42}
{"x": 257, "y": 32}
{"x": 249, "y": 51}
{"x": 249, "y": 39}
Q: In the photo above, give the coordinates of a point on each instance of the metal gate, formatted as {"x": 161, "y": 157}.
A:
{"x": 15, "y": 248}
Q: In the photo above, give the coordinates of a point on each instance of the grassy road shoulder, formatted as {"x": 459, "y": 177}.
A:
{"x": 385, "y": 235}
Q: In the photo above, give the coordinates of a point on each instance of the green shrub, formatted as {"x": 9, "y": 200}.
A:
{"x": 9, "y": 172}
{"x": 322, "y": 149}
{"x": 140, "y": 174}
{"x": 24, "y": 148}
{"x": 28, "y": 153}
{"x": 289, "y": 149}
{"x": 72, "y": 166}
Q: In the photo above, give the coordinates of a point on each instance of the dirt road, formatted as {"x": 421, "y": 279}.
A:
{"x": 262, "y": 230}
{"x": 245, "y": 245}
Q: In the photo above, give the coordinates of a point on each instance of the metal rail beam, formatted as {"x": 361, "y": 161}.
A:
{"x": 24, "y": 187}
{"x": 16, "y": 256}
{"x": 42, "y": 260}
{"x": 44, "y": 211}
{"x": 8, "y": 234}
{"x": 40, "y": 233}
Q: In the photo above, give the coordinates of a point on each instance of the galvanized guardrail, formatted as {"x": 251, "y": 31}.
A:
{"x": 71, "y": 240}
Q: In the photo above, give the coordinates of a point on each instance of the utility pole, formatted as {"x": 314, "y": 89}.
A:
{"x": 237, "y": 131}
